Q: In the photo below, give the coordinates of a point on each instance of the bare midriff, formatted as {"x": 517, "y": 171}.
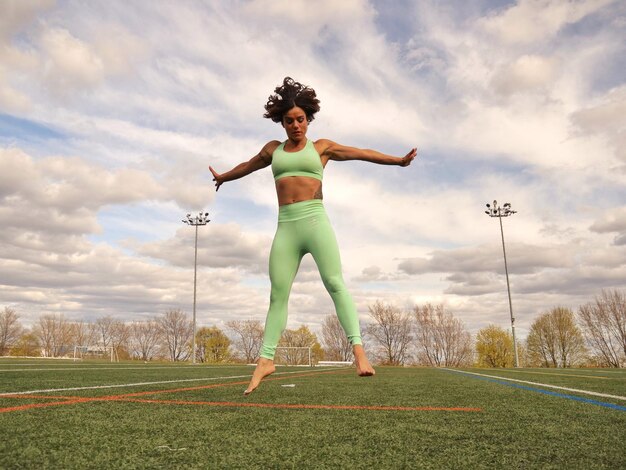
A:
{"x": 292, "y": 189}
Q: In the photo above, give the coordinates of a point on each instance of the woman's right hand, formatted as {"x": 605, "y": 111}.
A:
{"x": 217, "y": 178}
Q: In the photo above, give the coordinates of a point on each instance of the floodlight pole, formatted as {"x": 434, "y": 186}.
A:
{"x": 499, "y": 212}
{"x": 198, "y": 220}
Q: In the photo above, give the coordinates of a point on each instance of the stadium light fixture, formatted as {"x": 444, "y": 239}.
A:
{"x": 197, "y": 221}
{"x": 499, "y": 212}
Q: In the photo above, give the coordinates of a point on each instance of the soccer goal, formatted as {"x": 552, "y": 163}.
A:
{"x": 82, "y": 353}
{"x": 293, "y": 356}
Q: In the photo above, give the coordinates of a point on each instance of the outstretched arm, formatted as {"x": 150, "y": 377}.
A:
{"x": 334, "y": 151}
{"x": 260, "y": 160}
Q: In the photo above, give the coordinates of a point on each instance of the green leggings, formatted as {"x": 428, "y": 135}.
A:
{"x": 303, "y": 227}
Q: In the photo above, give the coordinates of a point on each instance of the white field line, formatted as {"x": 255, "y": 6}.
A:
{"x": 140, "y": 384}
{"x": 99, "y": 368}
{"x": 559, "y": 375}
{"x": 575, "y": 390}
{"x": 96, "y": 368}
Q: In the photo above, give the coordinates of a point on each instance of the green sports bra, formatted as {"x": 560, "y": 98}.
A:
{"x": 305, "y": 162}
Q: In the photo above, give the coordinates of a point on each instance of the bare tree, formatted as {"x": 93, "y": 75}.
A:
{"x": 391, "y": 331}
{"x": 10, "y": 329}
{"x": 120, "y": 335}
{"x": 84, "y": 334}
{"x": 337, "y": 347}
{"x": 541, "y": 343}
{"x": 442, "y": 340}
{"x": 604, "y": 327}
{"x": 555, "y": 339}
{"x": 104, "y": 331}
{"x": 55, "y": 335}
{"x": 145, "y": 337}
{"x": 177, "y": 331}
{"x": 248, "y": 338}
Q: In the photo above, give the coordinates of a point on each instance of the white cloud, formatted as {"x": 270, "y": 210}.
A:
{"x": 69, "y": 64}
{"x": 613, "y": 220}
{"x": 16, "y": 60}
{"x": 15, "y": 14}
{"x": 522, "y": 259}
{"x": 121, "y": 52}
{"x": 219, "y": 246}
{"x": 68, "y": 184}
{"x": 606, "y": 118}
{"x": 527, "y": 73}
{"x": 530, "y": 21}
{"x": 294, "y": 15}
{"x": 12, "y": 101}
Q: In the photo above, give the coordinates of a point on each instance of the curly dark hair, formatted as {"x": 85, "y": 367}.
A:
{"x": 288, "y": 95}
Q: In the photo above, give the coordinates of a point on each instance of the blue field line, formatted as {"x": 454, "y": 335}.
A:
{"x": 545, "y": 392}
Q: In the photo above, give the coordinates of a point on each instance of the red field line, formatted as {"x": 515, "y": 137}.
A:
{"x": 61, "y": 401}
{"x": 44, "y": 405}
{"x": 74, "y": 400}
{"x": 131, "y": 397}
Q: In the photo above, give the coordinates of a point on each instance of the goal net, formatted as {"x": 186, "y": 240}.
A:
{"x": 105, "y": 353}
{"x": 293, "y": 356}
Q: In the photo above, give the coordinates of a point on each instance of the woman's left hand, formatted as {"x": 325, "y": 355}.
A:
{"x": 408, "y": 158}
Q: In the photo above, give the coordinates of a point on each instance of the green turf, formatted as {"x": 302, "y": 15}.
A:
{"x": 517, "y": 428}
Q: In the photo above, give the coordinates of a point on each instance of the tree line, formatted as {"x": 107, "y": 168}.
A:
{"x": 425, "y": 335}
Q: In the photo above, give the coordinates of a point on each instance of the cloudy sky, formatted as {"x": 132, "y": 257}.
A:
{"x": 111, "y": 113}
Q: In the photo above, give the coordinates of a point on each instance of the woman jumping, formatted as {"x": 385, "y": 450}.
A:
{"x": 303, "y": 226}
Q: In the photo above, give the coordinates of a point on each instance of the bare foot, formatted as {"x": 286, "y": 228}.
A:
{"x": 363, "y": 366}
{"x": 264, "y": 367}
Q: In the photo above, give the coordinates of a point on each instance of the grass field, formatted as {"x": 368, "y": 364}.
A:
{"x": 66, "y": 415}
